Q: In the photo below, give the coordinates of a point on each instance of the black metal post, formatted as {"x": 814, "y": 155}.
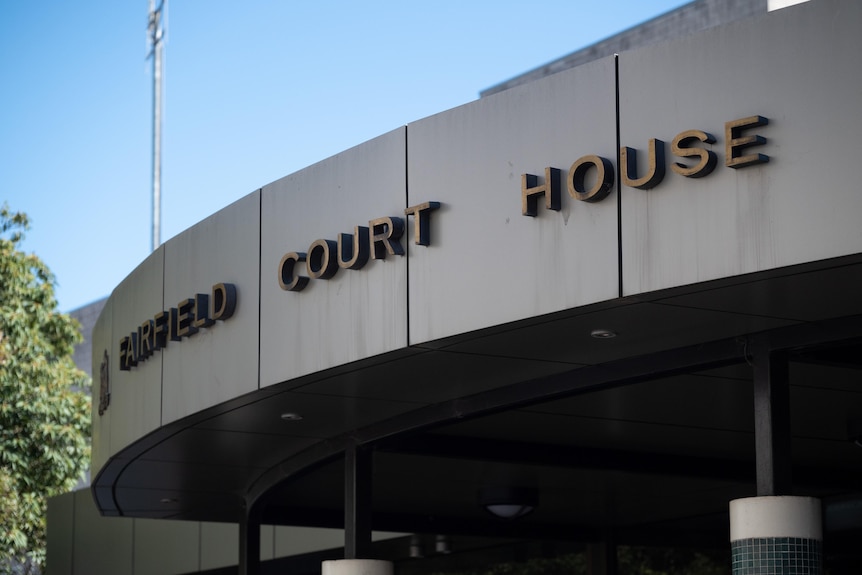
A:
{"x": 772, "y": 421}
{"x": 357, "y": 502}
{"x": 602, "y": 556}
{"x": 249, "y": 542}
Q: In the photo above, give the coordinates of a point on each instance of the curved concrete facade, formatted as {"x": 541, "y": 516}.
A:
{"x": 512, "y": 253}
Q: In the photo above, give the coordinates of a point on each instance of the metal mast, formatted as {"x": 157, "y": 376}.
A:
{"x": 155, "y": 36}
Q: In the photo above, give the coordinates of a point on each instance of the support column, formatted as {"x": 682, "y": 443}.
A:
{"x": 249, "y": 542}
{"x": 357, "y": 502}
{"x": 602, "y": 558}
{"x": 779, "y": 535}
{"x": 772, "y": 421}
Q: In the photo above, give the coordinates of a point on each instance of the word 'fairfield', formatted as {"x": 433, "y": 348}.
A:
{"x": 173, "y": 325}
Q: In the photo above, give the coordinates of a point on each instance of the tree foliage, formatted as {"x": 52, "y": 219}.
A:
{"x": 630, "y": 561}
{"x": 44, "y": 416}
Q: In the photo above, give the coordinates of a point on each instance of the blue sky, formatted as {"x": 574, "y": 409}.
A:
{"x": 253, "y": 90}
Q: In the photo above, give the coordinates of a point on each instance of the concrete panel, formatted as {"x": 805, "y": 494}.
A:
{"x": 298, "y": 540}
{"x": 163, "y": 547}
{"x": 487, "y": 262}
{"x": 103, "y": 342}
{"x": 60, "y": 534}
{"x": 218, "y": 362}
{"x": 798, "y": 68}
{"x": 102, "y": 544}
{"x": 267, "y": 542}
{"x": 136, "y": 398}
{"x": 291, "y": 541}
{"x": 357, "y": 313}
{"x": 219, "y": 545}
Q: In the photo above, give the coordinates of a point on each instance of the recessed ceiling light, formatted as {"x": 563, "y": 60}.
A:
{"x": 291, "y": 416}
{"x": 508, "y": 502}
{"x": 603, "y": 333}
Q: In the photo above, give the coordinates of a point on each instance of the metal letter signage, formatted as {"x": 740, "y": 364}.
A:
{"x": 382, "y": 237}
{"x": 530, "y": 190}
{"x": 735, "y": 142}
{"x": 185, "y": 320}
{"x": 684, "y": 145}
{"x": 104, "y": 384}
{"x": 577, "y": 179}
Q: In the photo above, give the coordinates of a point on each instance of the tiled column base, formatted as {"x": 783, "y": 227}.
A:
{"x": 776, "y": 536}
{"x": 776, "y": 556}
{"x": 357, "y": 567}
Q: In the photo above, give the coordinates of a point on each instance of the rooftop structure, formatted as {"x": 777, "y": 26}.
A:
{"x": 687, "y": 19}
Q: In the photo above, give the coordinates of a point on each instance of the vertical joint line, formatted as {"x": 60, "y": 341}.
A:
{"x": 132, "y": 554}
{"x": 619, "y": 184}
{"x": 260, "y": 278}
{"x": 162, "y": 356}
{"x": 409, "y": 249}
{"x": 200, "y": 545}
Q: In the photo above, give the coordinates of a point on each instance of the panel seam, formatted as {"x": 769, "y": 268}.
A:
{"x": 409, "y": 248}
{"x": 619, "y": 183}
{"x": 259, "y": 280}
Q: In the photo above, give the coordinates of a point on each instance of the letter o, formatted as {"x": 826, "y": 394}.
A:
{"x": 604, "y": 178}
{"x": 287, "y": 280}
{"x": 320, "y": 263}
